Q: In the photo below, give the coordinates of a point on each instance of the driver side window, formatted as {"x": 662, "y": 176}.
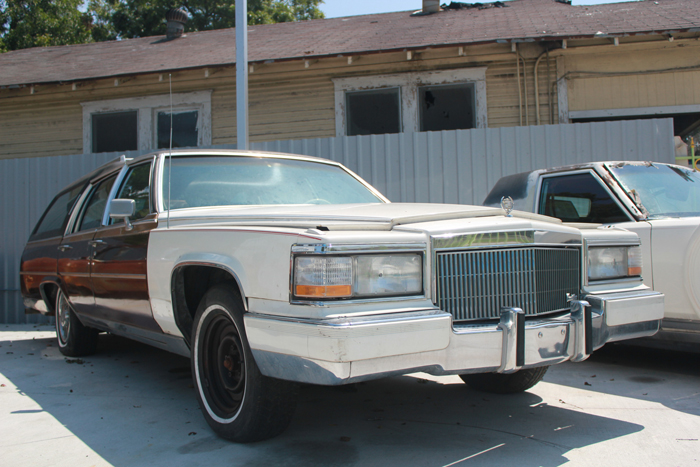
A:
{"x": 579, "y": 198}
{"x": 136, "y": 186}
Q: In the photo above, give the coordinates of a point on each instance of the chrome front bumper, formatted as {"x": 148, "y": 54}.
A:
{"x": 340, "y": 351}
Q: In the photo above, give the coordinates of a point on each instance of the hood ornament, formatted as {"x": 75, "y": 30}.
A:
{"x": 507, "y": 205}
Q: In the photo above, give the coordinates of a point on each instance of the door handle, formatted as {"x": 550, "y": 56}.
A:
{"x": 94, "y": 243}
{"x": 65, "y": 247}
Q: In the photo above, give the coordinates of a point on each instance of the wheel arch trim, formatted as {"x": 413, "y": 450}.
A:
{"x": 215, "y": 261}
{"x": 183, "y": 317}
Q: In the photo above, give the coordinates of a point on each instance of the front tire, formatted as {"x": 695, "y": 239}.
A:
{"x": 499, "y": 383}
{"x": 74, "y": 339}
{"x": 238, "y": 402}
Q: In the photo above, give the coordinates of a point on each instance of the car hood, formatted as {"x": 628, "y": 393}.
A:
{"x": 379, "y": 216}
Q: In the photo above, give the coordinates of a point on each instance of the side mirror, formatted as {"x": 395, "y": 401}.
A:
{"x": 122, "y": 209}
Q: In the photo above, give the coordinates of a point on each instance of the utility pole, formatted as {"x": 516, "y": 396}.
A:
{"x": 242, "y": 74}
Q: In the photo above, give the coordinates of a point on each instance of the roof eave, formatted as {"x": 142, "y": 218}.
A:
{"x": 526, "y": 39}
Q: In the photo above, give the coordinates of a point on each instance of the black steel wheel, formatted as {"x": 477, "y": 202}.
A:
{"x": 238, "y": 402}
{"x": 74, "y": 339}
{"x": 499, "y": 383}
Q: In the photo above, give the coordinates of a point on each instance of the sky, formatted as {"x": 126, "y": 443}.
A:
{"x": 336, "y": 8}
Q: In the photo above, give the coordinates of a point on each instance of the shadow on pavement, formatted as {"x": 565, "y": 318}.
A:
{"x": 135, "y": 405}
{"x": 670, "y": 378}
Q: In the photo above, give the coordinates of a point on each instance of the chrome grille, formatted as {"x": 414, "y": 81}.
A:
{"x": 473, "y": 285}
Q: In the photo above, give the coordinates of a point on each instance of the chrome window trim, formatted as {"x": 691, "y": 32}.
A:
{"x": 77, "y": 208}
{"x": 118, "y": 184}
{"x": 113, "y": 192}
{"x": 595, "y": 175}
{"x": 88, "y": 193}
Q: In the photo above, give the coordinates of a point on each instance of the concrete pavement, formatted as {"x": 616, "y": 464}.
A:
{"x": 132, "y": 405}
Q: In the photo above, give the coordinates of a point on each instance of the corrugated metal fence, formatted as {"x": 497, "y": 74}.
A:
{"x": 442, "y": 167}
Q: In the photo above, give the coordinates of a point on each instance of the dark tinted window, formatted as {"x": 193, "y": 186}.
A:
{"x": 579, "y": 198}
{"x": 94, "y": 208}
{"x": 373, "y": 112}
{"x": 115, "y": 131}
{"x": 136, "y": 186}
{"x": 53, "y": 222}
{"x": 185, "y": 129}
{"x": 447, "y": 107}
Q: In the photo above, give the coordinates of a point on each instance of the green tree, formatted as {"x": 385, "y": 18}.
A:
{"x": 117, "y": 19}
{"x": 40, "y": 23}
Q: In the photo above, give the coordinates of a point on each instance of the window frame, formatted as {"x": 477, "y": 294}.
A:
{"x": 421, "y": 109}
{"x": 176, "y": 110}
{"x": 37, "y": 237}
{"x": 92, "y": 118}
{"x": 409, "y": 84}
{"x": 398, "y": 92}
{"x": 147, "y": 108}
{"x": 119, "y": 183}
{"x": 87, "y": 197}
{"x": 596, "y": 177}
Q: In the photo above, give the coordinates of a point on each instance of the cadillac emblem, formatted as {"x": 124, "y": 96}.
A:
{"x": 507, "y": 205}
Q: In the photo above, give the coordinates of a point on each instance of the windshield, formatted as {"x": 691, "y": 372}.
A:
{"x": 223, "y": 181}
{"x": 664, "y": 190}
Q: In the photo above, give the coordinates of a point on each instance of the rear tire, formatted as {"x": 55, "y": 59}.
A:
{"x": 238, "y": 402}
{"x": 74, "y": 339}
{"x": 499, "y": 383}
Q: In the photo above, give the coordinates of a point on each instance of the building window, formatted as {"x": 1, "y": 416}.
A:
{"x": 373, "y": 112}
{"x": 446, "y": 107}
{"x": 143, "y": 123}
{"x": 185, "y": 128}
{"x": 115, "y": 131}
{"x": 422, "y": 101}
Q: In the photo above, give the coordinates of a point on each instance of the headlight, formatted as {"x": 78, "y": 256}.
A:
{"x": 359, "y": 276}
{"x": 614, "y": 262}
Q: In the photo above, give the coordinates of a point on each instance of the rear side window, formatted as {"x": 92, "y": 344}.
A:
{"x": 579, "y": 198}
{"x": 53, "y": 222}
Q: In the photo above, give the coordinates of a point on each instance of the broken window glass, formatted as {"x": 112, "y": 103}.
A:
{"x": 185, "y": 129}
{"x": 664, "y": 190}
{"x": 447, "y": 107}
{"x": 115, "y": 131}
{"x": 373, "y": 112}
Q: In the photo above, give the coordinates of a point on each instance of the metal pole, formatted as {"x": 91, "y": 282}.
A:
{"x": 242, "y": 74}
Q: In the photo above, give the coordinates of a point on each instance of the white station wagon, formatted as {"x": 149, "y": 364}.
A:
{"x": 270, "y": 270}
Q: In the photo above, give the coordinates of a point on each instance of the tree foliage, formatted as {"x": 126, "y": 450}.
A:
{"x": 36, "y": 23}
{"x": 40, "y": 23}
{"x": 139, "y": 18}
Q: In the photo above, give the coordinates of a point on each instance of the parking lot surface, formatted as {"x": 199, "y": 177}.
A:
{"x": 130, "y": 405}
